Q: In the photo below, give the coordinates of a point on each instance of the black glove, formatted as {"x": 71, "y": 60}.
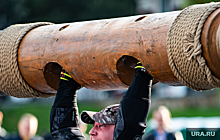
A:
{"x": 64, "y": 113}
{"x": 64, "y": 76}
{"x": 141, "y": 84}
{"x": 66, "y": 93}
{"x": 140, "y": 67}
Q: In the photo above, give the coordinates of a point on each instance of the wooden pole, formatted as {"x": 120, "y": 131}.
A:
{"x": 101, "y": 55}
{"x": 210, "y": 42}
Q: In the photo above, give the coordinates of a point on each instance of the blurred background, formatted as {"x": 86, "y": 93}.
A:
{"x": 188, "y": 107}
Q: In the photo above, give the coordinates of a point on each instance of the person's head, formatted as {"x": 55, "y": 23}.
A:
{"x": 27, "y": 126}
{"x": 158, "y": 117}
{"x": 103, "y": 122}
{"x": 163, "y": 116}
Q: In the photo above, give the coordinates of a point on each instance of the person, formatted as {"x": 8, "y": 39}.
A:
{"x": 125, "y": 121}
{"x": 1, "y": 133}
{"x": 163, "y": 131}
{"x": 27, "y": 128}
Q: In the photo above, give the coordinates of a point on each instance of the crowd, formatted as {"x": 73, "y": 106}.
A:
{"x": 27, "y": 129}
{"x": 28, "y": 125}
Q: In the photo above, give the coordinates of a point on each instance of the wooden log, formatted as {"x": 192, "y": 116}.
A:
{"x": 101, "y": 54}
{"x": 210, "y": 41}
{"x": 97, "y": 53}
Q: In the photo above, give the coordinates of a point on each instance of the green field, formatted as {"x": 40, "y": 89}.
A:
{"x": 42, "y": 112}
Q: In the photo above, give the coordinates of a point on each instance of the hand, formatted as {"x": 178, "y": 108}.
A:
{"x": 141, "y": 84}
{"x": 140, "y": 67}
{"x": 64, "y": 75}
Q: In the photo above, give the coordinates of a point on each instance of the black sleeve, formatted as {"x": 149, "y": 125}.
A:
{"x": 64, "y": 113}
{"x": 134, "y": 108}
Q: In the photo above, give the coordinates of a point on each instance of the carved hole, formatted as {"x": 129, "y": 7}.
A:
{"x": 140, "y": 18}
{"x": 52, "y": 74}
{"x": 63, "y": 27}
{"x": 125, "y": 68}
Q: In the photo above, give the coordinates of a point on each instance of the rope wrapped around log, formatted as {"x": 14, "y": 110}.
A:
{"x": 11, "y": 80}
{"x": 184, "y": 48}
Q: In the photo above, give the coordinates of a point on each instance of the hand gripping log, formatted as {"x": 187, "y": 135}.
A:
{"x": 177, "y": 48}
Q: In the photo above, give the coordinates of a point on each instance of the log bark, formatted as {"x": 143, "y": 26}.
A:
{"x": 101, "y": 54}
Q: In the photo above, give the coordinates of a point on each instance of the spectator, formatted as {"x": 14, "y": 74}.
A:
{"x": 163, "y": 132}
{"x": 27, "y": 128}
{"x": 3, "y": 133}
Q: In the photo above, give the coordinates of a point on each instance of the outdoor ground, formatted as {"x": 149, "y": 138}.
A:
{"x": 42, "y": 112}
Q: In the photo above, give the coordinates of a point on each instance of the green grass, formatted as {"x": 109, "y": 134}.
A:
{"x": 42, "y": 112}
{"x": 12, "y": 116}
{"x": 193, "y": 112}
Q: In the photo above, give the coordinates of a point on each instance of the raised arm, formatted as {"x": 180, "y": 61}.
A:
{"x": 64, "y": 124}
{"x": 134, "y": 107}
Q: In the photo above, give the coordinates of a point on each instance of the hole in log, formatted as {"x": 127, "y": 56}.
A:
{"x": 63, "y": 27}
{"x": 140, "y": 18}
{"x": 52, "y": 74}
{"x": 125, "y": 68}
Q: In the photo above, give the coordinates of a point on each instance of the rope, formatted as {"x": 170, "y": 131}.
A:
{"x": 184, "y": 48}
{"x": 11, "y": 79}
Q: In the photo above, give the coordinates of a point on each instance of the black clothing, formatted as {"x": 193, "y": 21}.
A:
{"x": 134, "y": 108}
{"x": 64, "y": 124}
{"x": 132, "y": 114}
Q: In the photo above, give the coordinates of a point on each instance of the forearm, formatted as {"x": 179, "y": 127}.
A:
{"x": 64, "y": 112}
{"x": 134, "y": 108}
{"x": 66, "y": 94}
{"x": 141, "y": 86}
